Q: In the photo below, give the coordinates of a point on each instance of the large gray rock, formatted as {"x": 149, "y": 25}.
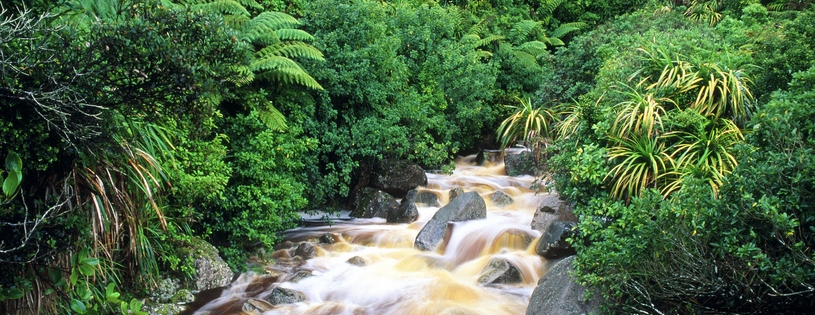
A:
{"x": 305, "y": 251}
{"x": 517, "y": 164}
{"x": 465, "y": 207}
{"x": 558, "y": 293}
{"x": 397, "y": 177}
{"x": 455, "y": 192}
{"x": 406, "y": 212}
{"x": 551, "y": 209}
{"x": 553, "y": 243}
{"x": 286, "y": 296}
{"x": 210, "y": 270}
{"x": 372, "y": 203}
{"x": 492, "y": 156}
{"x": 500, "y": 271}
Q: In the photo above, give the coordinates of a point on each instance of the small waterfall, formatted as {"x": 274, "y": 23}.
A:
{"x": 398, "y": 279}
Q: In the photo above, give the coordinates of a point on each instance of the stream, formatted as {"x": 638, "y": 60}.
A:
{"x": 391, "y": 277}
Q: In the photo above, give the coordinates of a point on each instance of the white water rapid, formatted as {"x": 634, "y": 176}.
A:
{"x": 398, "y": 279}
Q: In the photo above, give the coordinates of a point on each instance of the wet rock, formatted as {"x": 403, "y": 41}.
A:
{"x": 553, "y": 243}
{"x": 327, "y": 238}
{"x": 428, "y": 199}
{"x": 372, "y": 203}
{"x": 283, "y": 245}
{"x": 300, "y": 275}
{"x": 517, "y": 164}
{"x": 357, "y": 261}
{"x": 255, "y": 306}
{"x": 500, "y": 271}
{"x": 285, "y": 296}
{"x": 406, "y": 212}
{"x": 558, "y": 293}
{"x": 397, "y": 177}
{"x": 210, "y": 270}
{"x": 551, "y": 209}
{"x": 467, "y": 206}
{"x": 165, "y": 290}
{"x": 501, "y": 199}
{"x": 305, "y": 251}
{"x": 492, "y": 156}
{"x": 183, "y": 296}
{"x": 455, "y": 192}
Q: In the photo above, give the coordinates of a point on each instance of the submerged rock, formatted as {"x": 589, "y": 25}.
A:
{"x": 327, "y": 238}
{"x": 517, "y": 164}
{"x": 397, "y": 177}
{"x": 500, "y": 271}
{"x": 255, "y": 306}
{"x": 285, "y": 296}
{"x": 428, "y": 199}
{"x": 553, "y": 243}
{"x": 558, "y": 293}
{"x": 501, "y": 199}
{"x": 373, "y": 203}
{"x": 305, "y": 251}
{"x": 357, "y": 261}
{"x": 468, "y": 206}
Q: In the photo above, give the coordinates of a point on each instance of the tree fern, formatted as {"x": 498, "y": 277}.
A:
{"x": 521, "y": 31}
{"x": 549, "y": 6}
{"x": 566, "y": 28}
{"x": 221, "y": 6}
{"x": 272, "y": 117}
{"x": 284, "y": 70}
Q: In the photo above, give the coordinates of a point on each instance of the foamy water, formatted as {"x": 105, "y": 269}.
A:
{"x": 398, "y": 279}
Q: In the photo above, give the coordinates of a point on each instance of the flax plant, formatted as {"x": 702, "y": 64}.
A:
{"x": 644, "y": 160}
{"x": 527, "y": 123}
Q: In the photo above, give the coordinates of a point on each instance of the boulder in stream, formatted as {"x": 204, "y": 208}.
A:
{"x": 406, "y": 212}
{"x": 211, "y": 271}
{"x": 427, "y": 198}
{"x": 285, "y": 296}
{"x": 500, "y": 199}
{"x": 550, "y": 209}
{"x": 372, "y": 203}
{"x": 397, "y": 177}
{"x": 558, "y": 293}
{"x": 500, "y": 271}
{"x": 455, "y": 192}
{"x": 467, "y": 206}
{"x": 305, "y": 251}
{"x": 357, "y": 261}
{"x": 553, "y": 243}
{"x": 517, "y": 164}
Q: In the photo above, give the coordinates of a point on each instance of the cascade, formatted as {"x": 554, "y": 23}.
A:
{"x": 390, "y": 276}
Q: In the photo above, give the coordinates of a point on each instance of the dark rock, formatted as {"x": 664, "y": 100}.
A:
{"x": 357, "y": 261}
{"x": 305, "y": 251}
{"x": 553, "y": 242}
{"x": 468, "y": 206}
{"x": 558, "y": 293}
{"x": 397, "y": 177}
{"x": 500, "y": 271}
{"x": 551, "y": 209}
{"x": 428, "y": 199}
{"x": 492, "y": 156}
{"x": 517, "y": 164}
{"x": 163, "y": 309}
{"x": 255, "y": 306}
{"x": 500, "y": 199}
{"x": 285, "y": 296}
{"x": 372, "y": 203}
{"x": 455, "y": 192}
{"x": 326, "y": 238}
{"x": 406, "y": 212}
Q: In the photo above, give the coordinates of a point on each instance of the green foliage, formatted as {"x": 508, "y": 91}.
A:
{"x": 526, "y": 123}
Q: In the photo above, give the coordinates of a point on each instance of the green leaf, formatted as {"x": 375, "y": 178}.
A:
{"x": 11, "y": 183}
{"x": 74, "y": 276}
{"x": 13, "y": 162}
{"x": 86, "y": 270}
{"x": 13, "y": 294}
{"x": 78, "y": 306}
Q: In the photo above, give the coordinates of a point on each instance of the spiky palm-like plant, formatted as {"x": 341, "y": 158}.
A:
{"x": 526, "y": 123}
{"x": 704, "y": 153}
{"x": 723, "y": 92}
{"x": 641, "y": 113}
{"x": 706, "y": 11}
{"x": 642, "y": 161}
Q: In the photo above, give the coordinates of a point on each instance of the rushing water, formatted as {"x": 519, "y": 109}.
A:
{"x": 398, "y": 279}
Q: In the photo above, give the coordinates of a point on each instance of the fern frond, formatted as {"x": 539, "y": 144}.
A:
{"x": 291, "y": 50}
{"x": 526, "y": 59}
{"x": 566, "y": 28}
{"x": 284, "y": 70}
{"x": 272, "y": 118}
{"x": 482, "y": 54}
{"x": 275, "y": 20}
{"x": 293, "y": 34}
{"x": 488, "y": 40}
{"x": 534, "y": 47}
{"x": 481, "y": 26}
{"x": 221, "y": 6}
{"x": 521, "y": 30}
{"x": 554, "y": 41}
{"x": 235, "y": 21}
{"x": 242, "y": 75}
{"x": 550, "y": 5}
{"x": 251, "y": 4}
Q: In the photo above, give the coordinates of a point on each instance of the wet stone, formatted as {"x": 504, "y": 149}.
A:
{"x": 501, "y": 199}
{"x": 285, "y": 296}
{"x": 326, "y": 238}
{"x": 300, "y": 275}
{"x": 357, "y": 261}
{"x": 305, "y": 251}
{"x": 428, "y": 199}
{"x": 500, "y": 271}
{"x": 455, "y": 192}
